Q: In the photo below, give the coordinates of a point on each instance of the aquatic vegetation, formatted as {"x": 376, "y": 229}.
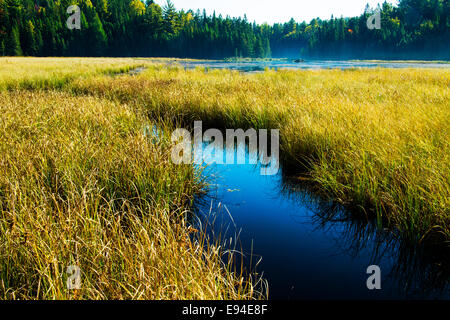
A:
{"x": 374, "y": 139}
{"x": 41, "y": 73}
{"x": 82, "y": 184}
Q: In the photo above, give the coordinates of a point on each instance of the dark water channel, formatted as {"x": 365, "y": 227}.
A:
{"x": 310, "y": 248}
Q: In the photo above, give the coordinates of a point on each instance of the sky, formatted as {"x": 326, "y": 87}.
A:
{"x": 273, "y": 11}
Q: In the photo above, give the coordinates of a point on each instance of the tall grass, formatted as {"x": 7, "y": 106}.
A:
{"x": 376, "y": 140}
{"x": 82, "y": 185}
{"x": 43, "y": 73}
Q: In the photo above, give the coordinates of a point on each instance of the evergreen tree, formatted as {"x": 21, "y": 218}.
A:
{"x": 12, "y": 47}
{"x": 96, "y": 37}
{"x": 170, "y": 18}
{"x": 414, "y": 29}
{"x": 29, "y": 39}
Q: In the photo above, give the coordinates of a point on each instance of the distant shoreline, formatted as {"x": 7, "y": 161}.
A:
{"x": 350, "y": 60}
{"x": 403, "y": 61}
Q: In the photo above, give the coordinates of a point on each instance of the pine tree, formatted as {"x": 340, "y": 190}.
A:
{"x": 170, "y": 18}
{"x": 12, "y": 47}
{"x": 29, "y": 43}
{"x": 97, "y": 39}
{"x": 130, "y": 27}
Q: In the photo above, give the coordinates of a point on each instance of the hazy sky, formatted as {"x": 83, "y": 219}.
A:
{"x": 272, "y": 11}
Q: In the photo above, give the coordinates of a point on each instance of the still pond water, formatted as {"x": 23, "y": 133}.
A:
{"x": 261, "y": 65}
{"x": 308, "y": 248}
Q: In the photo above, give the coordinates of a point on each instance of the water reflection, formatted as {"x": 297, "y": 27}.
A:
{"x": 419, "y": 271}
{"x": 312, "y": 248}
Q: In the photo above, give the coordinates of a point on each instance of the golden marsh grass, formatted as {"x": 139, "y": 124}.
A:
{"x": 376, "y": 139}
{"x": 81, "y": 184}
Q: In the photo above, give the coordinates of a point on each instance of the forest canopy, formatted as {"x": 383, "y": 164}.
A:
{"x": 413, "y": 29}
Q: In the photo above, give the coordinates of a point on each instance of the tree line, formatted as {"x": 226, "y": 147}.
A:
{"x": 413, "y": 29}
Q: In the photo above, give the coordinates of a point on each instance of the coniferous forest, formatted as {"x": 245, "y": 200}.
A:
{"x": 413, "y": 29}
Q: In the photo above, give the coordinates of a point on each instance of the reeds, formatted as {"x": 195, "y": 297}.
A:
{"x": 376, "y": 140}
{"x": 81, "y": 184}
